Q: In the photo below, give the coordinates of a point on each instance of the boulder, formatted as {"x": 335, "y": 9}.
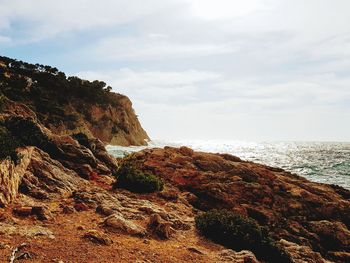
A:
{"x": 117, "y": 223}
{"x": 301, "y": 254}
{"x": 98, "y": 237}
{"x": 160, "y": 227}
{"x": 11, "y": 176}
{"x": 244, "y": 256}
{"x": 46, "y": 178}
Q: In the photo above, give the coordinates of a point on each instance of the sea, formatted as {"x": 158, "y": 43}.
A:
{"x": 324, "y": 162}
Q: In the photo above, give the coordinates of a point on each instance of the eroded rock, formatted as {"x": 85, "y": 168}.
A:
{"x": 98, "y": 237}
{"x": 117, "y": 223}
{"x": 160, "y": 227}
{"x": 244, "y": 256}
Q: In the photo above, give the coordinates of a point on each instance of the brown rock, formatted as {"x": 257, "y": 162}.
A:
{"x": 98, "y": 237}
{"x": 80, "y": 207}
{"x": 11, "y": 176}
{"x": 339, "y": 256}
{"x": 195, "y": 250}
{"x": 160, "y": 227}
{"x": 117, "y": 223}
{"x": 244, "y": 256}
{"x": 186, "y": 151}
{"x": 302, "y": 254}
{"x": 23, "y": 211}
{"x": 105, "y": 210}
{"x": 47, "y": 176}
{"x": 41, "y": 212}
{"x": 333, "y": 235}
{"x": 67, "y": 209}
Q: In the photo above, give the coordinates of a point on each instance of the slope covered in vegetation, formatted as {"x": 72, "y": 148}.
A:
{"x": 68, "y": 105}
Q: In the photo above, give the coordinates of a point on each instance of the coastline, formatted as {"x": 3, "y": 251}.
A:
{"x": 317, "y": 161}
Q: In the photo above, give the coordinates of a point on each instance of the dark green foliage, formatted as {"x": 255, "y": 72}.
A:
{"x": 48, "y": 91}
{"x": 2, "y": 102}
{"x": 26, "y": 132}
{"x": 18, "y": 131}
{"x": 8, "y": 145}
{"x": 237, "y": 232}
{"x": 133, "y": 179}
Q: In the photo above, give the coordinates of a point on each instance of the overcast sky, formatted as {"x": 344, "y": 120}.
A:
{"x": 201, "y": 69}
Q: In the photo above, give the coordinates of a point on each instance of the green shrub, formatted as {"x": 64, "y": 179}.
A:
{"x": 133, "y": 179}
{"x": 2, "y": 102}
{"x": 8, "y": 145}
{"x": 26, "y": 131}
{"x": 237, "y": 232}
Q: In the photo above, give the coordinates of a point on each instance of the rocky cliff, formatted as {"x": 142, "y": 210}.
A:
{"x": 69, "y": 105}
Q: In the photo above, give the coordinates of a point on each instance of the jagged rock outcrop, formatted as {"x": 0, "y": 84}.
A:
{"x": 48, "y": 164}
{"x": 11, "y": 176}
{"x": 45, "y": 178}
{"x": 36, "y": 175}
{"x": 293, "y": 208}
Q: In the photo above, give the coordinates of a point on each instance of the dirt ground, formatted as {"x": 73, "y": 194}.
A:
{"x": 68, "y": 244}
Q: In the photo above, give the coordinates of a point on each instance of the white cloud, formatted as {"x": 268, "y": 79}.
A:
{"x": 224, "y": 9}
{"x": 4, "y": 39}
{"x": 156, "y": 86}
{"x": 48, "y": 18}
{"x": 153, "y": 48}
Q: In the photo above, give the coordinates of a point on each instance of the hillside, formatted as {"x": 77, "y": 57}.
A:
{"x": 69, "y": 105}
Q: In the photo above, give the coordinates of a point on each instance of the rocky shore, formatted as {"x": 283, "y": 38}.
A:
{"x": 63, "y": 198}
{"x": 60, "y": 201}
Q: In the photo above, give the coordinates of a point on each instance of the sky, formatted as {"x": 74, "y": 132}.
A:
{"x": 253, "y": 70}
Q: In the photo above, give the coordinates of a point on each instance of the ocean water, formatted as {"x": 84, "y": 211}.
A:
{"x": 325, "y": 162}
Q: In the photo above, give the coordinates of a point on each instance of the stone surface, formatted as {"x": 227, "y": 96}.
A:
{"x": 11, "y": 176}
{"x": 45, "y": 177}
{"x": 243, "y": 256}
{"x": 98, "y": 237}
{"x": 26, "y": 231}
{"x": 117, "y": 223}
{"x": 160, "y": 227}
{"x": 302, "y": 254}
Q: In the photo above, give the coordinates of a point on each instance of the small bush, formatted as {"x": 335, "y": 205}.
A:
{"x": 239, "y": 233}
{"x": 27, "y": 132}
{"x": 2, "y": 102}
{"x": 131, "y": 178}
{"x": 8, "y": 145}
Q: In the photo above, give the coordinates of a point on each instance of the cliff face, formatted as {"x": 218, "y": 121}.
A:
{"x": 115, "y": 125}
{"x": 70, "y": 105}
